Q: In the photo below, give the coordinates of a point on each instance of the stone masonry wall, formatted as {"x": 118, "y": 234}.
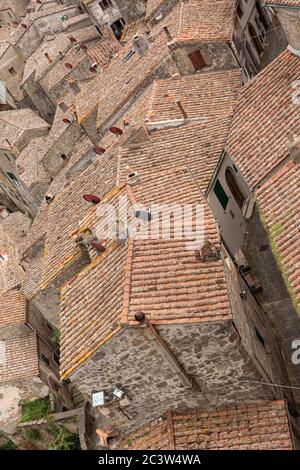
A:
{"x": 274, "y": 298}
{"x": 209, "y": 352}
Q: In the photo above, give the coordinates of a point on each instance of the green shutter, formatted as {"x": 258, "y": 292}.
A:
{"x": 221, "y": 195}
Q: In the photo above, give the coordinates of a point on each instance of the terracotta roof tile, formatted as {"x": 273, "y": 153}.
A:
{"x": 252, "y": 426}
{"x": 68, "y": 208}
{"x": 21, "y": 359}
{"x": 265, "y": 118}
{"x": 161, "y": 277}
{"x": 13, "y": 308}
{"x": 292, "y": 3}
{"x": 126, "y": 76}
{"x": 279, "y": 203}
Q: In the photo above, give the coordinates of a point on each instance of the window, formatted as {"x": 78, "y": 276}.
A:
{"x": 12, "y": 71}
{"x": 221, "y": 195}
{"x": 13, "y": 179}
{"x": 105, "y": 4}
{"x": 234, "y": 187}
{"x": 45, "y": 360}
{"x": 117, "y": 28}
{"x": 197, "y": 60}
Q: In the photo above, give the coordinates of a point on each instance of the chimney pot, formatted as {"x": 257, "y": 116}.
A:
{"x": 181, "y": 108}
{"x": 140, "y": 316}
{"x": 48, "y": 57}
{"x": 74, "y": 85}
{"x": 141, "y": 45}
{"x": 167, "y": 31}
{"x": 62, "y": 105}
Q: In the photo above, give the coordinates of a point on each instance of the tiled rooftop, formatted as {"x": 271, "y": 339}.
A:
{"x": 200, "y": 143}
{"x": 161, "y": 277}
{"x": 253, "y": 426}
{"x": 13, "y": 308}
{"x": 278, "y": 200}
{"x": 126, "y": 76}
{"x": 68, "y": 208}
{"x": 265, "y": 119}
{"x": 13, "y": 125}
{"x": 18, "y": 356}
{"x": 10, "y": 274}
{"x": 292, "y": 3}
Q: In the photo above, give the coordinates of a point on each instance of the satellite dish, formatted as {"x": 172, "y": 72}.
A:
{"x": 92, "y": 198}
{"x": 99, "y": 150}
{"x": 116, "y": 130}
{"x": 68, "y": 65}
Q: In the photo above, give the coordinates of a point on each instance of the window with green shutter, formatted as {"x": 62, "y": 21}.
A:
{"x": 221, "y": 195}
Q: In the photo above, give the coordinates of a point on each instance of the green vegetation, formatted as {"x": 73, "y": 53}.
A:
{"x": 36, "y": 409}
{"x": 31, "y": 434}
{"x": 276, "y": 231}
{"x": 56, "y": 337}
{"x": 62, "y": 440}
{"x": 9, "y": 445}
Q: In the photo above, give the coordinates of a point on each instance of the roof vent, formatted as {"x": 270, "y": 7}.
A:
{"x": 68, "y": 65}
{"x": 62, "y": 106}
{"x": 116, "y": 130}
{"x": 99, "y": 150}
{"x": 97, "y": 246}
{"x": 91, "y": 198}
{"x": 132, "y": 177}
{"x": 208, "y": 253}
{"x": 48, "y": 57}
{"x": 181, "y": 108}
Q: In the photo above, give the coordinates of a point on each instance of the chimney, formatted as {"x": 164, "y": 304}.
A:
{"x": 181, "y": 108}
{"x": 167, "y": 31}
{"x": 141, "y": 45}
{"x": 48, "y": 57}
{"x": 62, "y": 105}
{"x": 289, "y": 18}
{"x": 74, "y": 86}
{"x": 294, "y": 149}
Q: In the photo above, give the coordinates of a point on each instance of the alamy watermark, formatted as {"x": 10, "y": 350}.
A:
{"x": 296, "y": 353}
{"x": 154, "y": 222}
{"x": 296, "y": 92}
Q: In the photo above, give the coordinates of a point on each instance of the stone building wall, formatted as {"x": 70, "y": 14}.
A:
{"x": 210, "y": 353}
{"x": 274, "y": 298}
{"x": 290, "y": 21}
